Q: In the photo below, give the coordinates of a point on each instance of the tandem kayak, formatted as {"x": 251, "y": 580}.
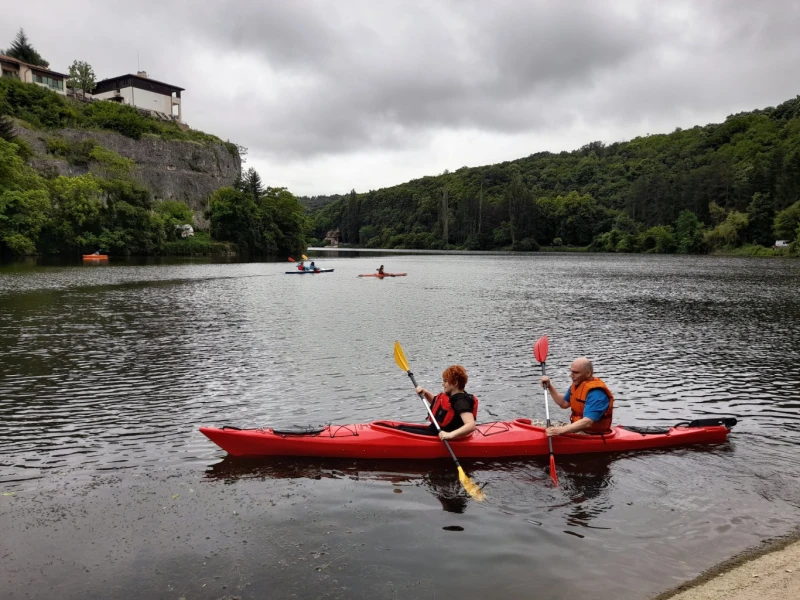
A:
{"x": 381, "y": 276}
{"x": 501, "y": 439}
{"x": 298, "y": 272}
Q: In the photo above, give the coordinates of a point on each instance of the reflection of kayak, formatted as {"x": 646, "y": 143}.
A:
{"x": 384, "y": 275}
{"x": 298, "y": 272}
{"x": 95, "y": 257}
{"x": 381, "y": 439}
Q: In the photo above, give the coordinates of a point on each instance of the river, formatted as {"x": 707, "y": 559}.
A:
{"x": 109, "y": 490}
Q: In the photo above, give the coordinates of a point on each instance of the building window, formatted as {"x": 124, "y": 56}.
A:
{"x": 53, "y": 84}
{"x": 7, "y": 73}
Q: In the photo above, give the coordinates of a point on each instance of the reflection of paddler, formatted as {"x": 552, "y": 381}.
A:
{"x": 590, "y": 481}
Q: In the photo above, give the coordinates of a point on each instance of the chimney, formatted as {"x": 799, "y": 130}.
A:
{"x": 141, "y": 73}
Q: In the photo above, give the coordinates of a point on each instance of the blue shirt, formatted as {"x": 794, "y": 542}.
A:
{"x": 596, "y": 404}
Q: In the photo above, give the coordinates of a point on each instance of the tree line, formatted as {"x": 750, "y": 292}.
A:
{"x": 712, "y": 187}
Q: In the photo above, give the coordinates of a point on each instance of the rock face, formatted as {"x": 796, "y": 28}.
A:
{"x": 171, "y": 169}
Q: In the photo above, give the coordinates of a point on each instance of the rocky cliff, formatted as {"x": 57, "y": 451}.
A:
{"x": 171, "y": 169}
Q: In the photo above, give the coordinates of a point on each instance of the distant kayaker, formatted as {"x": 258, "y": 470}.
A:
{"x": 380, "y": 270}
{"x": 455, "y": 410}
{"x": 591, "y": 401}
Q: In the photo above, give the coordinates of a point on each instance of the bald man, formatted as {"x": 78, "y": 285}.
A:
{"x": 591, "y": 401}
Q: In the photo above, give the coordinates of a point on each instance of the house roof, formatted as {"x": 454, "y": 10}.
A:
{"x": 140, "y": 78}
{"x": 21, "y": 63}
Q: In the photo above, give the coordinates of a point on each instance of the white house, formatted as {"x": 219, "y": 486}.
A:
{"x": 162, "y": 99}
{"x": 32, "y": 74}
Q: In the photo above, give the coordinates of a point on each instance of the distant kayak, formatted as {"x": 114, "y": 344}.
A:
{"x": 297, "y": 272}
{"x": 95, "y": 257}
{"x": 378, "y": 275}
{"x": 383, "y": 439}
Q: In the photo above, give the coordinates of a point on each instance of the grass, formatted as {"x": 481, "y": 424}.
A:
{"x": 564, "y": 249}
{"x": 200, "y": 244}
{"x": 753, "y": 250}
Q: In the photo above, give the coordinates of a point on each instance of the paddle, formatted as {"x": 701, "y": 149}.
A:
{"x": 291, "y": 259}
{"x": 540, "y": 349}
{"x": 470, "y": 486}
{"x": 304, "y": 257}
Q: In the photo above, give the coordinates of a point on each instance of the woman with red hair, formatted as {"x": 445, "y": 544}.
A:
{"x": 454, "y": 409}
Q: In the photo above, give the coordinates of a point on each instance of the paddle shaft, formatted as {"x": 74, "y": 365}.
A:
{"x": 547, "y": 408}
{"x": 433, "y": 419}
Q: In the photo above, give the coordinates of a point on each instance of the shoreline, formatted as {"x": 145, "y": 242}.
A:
{"x": 768, "y": 571}
{"x": 583, "y": 250}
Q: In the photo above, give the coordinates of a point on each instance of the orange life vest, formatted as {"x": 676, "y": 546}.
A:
{"x": 443, "y": 410}
{"x": 577, "y": 402}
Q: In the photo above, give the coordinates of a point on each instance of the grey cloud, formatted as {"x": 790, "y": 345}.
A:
{"x": 330, "y": 78}
{"x": 468, "y": 66}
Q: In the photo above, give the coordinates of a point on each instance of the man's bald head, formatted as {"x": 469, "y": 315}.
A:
{"x": 580, "y": 370}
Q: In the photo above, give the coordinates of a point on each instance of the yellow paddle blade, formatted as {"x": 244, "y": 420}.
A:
{"x": 399, "y": 357}
{"x": 472, "y": 488}
{"x": 304, "y": 257}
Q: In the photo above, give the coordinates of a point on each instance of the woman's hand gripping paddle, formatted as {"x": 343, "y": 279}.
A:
{"x": 470, "y": 486}
{"x": 540, "y": 349}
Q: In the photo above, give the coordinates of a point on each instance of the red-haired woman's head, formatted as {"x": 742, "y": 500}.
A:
{"x": 455, "y": 375}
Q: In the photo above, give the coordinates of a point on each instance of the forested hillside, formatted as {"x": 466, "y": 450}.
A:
{"x": 712, "y": 187}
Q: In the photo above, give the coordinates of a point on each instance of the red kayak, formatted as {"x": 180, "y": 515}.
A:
{"x": 382, "y": 439}
{"x": 381, "y": 276}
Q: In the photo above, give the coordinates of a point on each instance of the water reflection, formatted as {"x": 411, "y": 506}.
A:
{"x": 437, "y": 477}
{"x": 585, "y": 482}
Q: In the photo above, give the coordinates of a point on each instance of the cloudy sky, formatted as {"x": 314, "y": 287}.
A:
{"x": 330, "y": 95}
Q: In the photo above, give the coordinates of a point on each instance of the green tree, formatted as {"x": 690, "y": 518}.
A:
{"x": 77, "y": 205}
{"x": 234, "y": 218}
{"x": 659, "y": 239}
{"x": 520, "y": 210}
{"x": 351, "y": 221}
{"x": 21, "y": 49}
{"x": 730, "y": 232}
{"x": 761, "y": 216}
{"x": 787, "y": 222}
{"x": 252, "y": 185}
{"x": 81, "y": 76}
{"x": 366, "y": 234}
{"x": 689, "y": 233}
{"x": 283, "y": 221}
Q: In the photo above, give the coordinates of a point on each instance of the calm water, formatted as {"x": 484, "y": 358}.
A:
{"x": 109, "y": 490}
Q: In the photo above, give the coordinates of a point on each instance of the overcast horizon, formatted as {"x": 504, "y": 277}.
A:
{"x": 332, "y": 96}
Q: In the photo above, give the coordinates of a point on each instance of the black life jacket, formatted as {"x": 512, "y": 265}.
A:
{"x": 443, "y": 410}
